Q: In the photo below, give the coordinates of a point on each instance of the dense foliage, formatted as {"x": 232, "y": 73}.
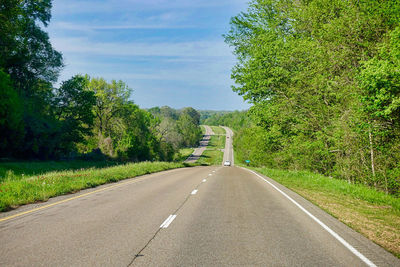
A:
{"x": 323, "y": 76}
{"x": 235, "y": 120}
{"x": 85, "y": 117}
{"x": 180, "y": 128}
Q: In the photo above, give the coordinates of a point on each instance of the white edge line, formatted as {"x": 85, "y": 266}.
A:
{"x": 168, "y": 221}
{"x": 194, "y": 192}
{"x": 329, "y": 230}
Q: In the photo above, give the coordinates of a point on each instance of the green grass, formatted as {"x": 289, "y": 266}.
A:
{"x": 370, "y": 212}
{"x": 24, "y": 189}
{"x": 183, "y": 154}
{"x": 20, "y": 169}
{"x": 17, "y": 170}
{"x": 216, "y": 142}
{"x": 218, "y": 130}
{"x": 211, "y": 157}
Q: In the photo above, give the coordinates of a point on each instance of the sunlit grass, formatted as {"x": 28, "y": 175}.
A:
{"x": 17, "y": 170}
{"x": 24, "y": 189}
{"x": 203, "y": 129}
{"x": 183, "y": 154}
{"x": 211, "y": 157}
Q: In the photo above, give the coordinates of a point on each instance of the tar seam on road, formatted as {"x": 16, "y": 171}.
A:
{"x": 329, "y": 230}
{"x": 137, "y": 255}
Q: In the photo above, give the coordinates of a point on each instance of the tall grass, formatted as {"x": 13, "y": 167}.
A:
{"x": 24, "y": 189}
{"x": 313, "y": 181}
{"x": 20, "y": 169}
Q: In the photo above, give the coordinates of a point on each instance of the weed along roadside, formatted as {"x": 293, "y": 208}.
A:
{"x": 374, "y": 214}
{"x": 30, "y": 189}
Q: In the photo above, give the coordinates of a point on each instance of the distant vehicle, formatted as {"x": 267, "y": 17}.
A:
{"x": 227, "y": 163}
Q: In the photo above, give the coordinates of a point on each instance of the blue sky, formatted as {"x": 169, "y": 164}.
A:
{"x": 170, "y": 52}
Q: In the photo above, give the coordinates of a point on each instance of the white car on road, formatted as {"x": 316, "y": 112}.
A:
{"x": 227, "y": 163}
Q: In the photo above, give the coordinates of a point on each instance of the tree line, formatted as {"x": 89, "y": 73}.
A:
{"x": 324, "y": 80}
{"x": 233, "y": 119}
{"x": 84, "y": 116}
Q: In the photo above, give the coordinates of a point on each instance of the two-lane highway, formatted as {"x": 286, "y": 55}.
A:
{"x": 202, "y": 216}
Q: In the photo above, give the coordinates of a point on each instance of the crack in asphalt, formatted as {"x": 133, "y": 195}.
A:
{"x": 137, "y": 255}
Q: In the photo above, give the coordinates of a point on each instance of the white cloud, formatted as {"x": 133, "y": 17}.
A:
{"x": 194, "y": 49}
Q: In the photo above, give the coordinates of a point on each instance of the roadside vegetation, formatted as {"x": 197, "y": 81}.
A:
{"x": 183, "y": 154}
{"x": 22, "y": 169}
{"x": 21, "y": 189}
{"x": 203, "y": 130}
{"x": 374, "y": 214}
{"x": 81, "y": 118}
{"x": 323, "y": 78}
{"x": 235, "y": 120}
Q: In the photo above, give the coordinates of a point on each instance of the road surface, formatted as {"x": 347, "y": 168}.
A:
{"x": 201, "y": 216}
{"x": 228, "y": 153}
{"x": 203, "y": 145}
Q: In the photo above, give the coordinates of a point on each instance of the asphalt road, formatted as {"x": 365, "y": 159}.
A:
{"x": 203, "y": 144}
{"x": 228, "y": 153}
{"x": 203, "y": 216}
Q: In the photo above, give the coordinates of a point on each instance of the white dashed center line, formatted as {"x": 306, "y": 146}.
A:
{"x": 194, "y": 192}
{"x": 168, "y": 221}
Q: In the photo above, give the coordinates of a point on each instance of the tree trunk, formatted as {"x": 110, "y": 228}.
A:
{"x": 371, "y": 149}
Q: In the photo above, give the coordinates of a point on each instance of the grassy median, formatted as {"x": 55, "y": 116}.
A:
{"x": 16, "y": 190}
{"x": 373, "y": 214}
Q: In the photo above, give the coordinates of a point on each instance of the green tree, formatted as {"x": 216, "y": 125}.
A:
{"x": 318, "y": 79}
{"x": 111, "y": 99}
{"x": 11, "y": 123}
{"x": 72, "y": 106}
{"x": 25, "y": 50}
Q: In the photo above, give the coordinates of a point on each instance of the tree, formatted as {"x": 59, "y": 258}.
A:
{"x": 25, "y": 50}
{"x": 323, "y": 84}
{"x": 11, "y": 123}
{"x": 72, "y": 107}
{"x": 110, "y": 101}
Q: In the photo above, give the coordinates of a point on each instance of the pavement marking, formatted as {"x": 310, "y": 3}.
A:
{"x": 329, "y": 230}
{"x": 168, "y": 221}
{"x": 209, "y": 174}
{"x": 194, "y": 192}
{"x": 66, "y": 200}
{"x": 204, "y": 180}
